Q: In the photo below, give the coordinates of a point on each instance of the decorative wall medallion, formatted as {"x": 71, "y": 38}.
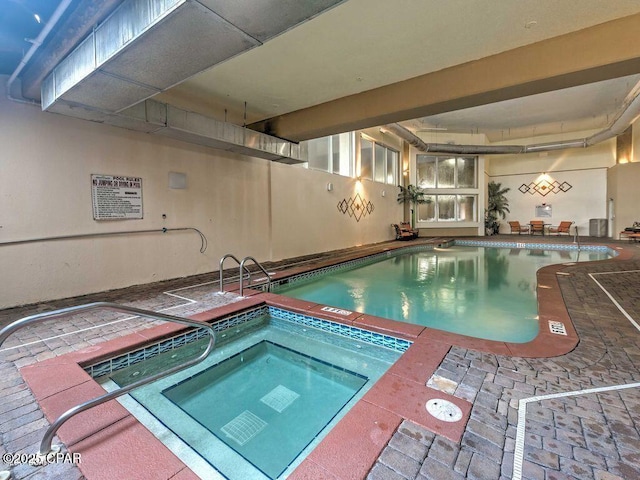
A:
{"x": 357, "y": 207}
{"x": 545, "y": 187}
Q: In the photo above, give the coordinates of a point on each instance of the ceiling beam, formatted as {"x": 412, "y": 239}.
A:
{"x": 602, "y": 52}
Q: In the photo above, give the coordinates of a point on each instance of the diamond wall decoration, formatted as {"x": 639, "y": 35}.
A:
{"x": 356, "y": 207}
{"x": 545, "y": 187}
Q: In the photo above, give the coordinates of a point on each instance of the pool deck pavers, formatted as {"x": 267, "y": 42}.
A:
{"x": 578, "y": 413}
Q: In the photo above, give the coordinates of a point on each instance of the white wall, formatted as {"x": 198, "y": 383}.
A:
{"x": 303, "y": 208}
{"x": 585, "y": 169}
{"x": 243, "y": 205}
{"x": 586, "y": 199}
{"x": 624, "y": 192}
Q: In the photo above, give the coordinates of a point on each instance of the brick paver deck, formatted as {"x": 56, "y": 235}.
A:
{"x": 576, "y": 434}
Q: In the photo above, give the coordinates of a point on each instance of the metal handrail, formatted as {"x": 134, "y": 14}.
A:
{"x": 203, "y": 239}
{"x": 260, "y": 267}
{"x": 229, "y": 255}
{"x": 46, "y": 444}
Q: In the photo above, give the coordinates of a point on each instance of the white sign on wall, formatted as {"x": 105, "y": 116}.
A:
{"x": 543, "y": 211}
{"x": 115, "y": 197}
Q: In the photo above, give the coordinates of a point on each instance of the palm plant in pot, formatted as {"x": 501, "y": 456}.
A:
{"x": 414, "y": 196}
{"x": 497, "y": 207}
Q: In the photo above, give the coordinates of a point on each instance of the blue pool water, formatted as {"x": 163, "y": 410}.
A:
{"x": 482, "y": 292}
{"x": 263, "y": 399}
{"x": 282, "y": 400}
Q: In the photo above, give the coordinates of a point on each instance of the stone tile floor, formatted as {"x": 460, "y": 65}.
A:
{"x": 568, "y": 428}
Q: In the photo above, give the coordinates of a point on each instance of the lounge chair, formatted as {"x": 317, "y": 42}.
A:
{"x": 564, "y": 227}
{"x": 517, "y": 228}
{"x": 537, "y": 226}
{"x": 406, "y": 227}
{"x": 402, "y": 235}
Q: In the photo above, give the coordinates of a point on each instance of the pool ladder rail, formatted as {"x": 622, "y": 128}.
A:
{"x": 46, "y": 446}
{"x": 242, "y": 270}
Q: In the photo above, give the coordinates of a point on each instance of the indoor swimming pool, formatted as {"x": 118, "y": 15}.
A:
{"x": 245, "y": 412}
{"x": 483, "y": 292}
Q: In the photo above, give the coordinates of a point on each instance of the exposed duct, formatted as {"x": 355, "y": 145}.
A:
{"x": 630, "y": 111}
{"x": 147, "y": 46}
{"x": 159, "y": 118}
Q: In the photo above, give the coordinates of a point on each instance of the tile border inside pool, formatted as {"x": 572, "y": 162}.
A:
{"x": 106, "y": 367}
{"x": 373, "y": 258}
{"x": 356, "y": 262}
{"x": 536, "y": 246}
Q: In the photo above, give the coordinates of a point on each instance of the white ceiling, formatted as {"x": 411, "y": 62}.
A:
{"x": 587, "y": 107}
{"x": 363, "y": 44}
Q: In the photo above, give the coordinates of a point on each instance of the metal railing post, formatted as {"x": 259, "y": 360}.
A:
{"x": 46, "y": 444}
{"x": 229, "y": 255}
{"x": 260, "y": 267}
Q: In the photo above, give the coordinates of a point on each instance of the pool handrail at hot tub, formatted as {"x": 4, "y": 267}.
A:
{"x": 46, "y": 445}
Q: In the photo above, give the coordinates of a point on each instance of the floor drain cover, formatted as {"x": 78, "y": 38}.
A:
{"x": 444, "y": 410}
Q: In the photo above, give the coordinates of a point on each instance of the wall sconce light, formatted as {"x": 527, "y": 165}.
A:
{"x": 359, "y": 179}
{"x": 384, "y": 193}
{"x": 405, "y": 172}
{"x": 329, "y": 187}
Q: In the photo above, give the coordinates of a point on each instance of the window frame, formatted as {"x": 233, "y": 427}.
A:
{"x": 384, "y": 149}
{"x": 434, "y": 197}
{"x": 436, "y": 192}
{"x": 330, "y": 159}
{"x": 456, "y": 171}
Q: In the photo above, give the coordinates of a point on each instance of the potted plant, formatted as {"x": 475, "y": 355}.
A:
{"x": 497, "y": 207}
{"x": 414, "y": 196}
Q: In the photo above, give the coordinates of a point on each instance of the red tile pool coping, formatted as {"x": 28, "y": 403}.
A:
{"x": 113, "y": 444}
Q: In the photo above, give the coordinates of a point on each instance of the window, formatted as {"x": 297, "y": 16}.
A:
{"x": 467, "y": 208}
{"x": 427, "y": 211}
{"x": 451, "y": 185}
{"x": 378, "y": 162}
{"x": 446, "y": 172}
{"x": 449, "y": 208}
{"x": 336, "y": 154}
{"x": 466, "y": 172}
{"x": 380, "y": 157}
{"x": 446, "y": 206}
{"x": 333, "y": 154}
{"x": 366, "y": 159}
{"x": 393, "y": 159}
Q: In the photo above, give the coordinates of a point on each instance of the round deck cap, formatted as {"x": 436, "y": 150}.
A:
{"x": 444, "y": 410}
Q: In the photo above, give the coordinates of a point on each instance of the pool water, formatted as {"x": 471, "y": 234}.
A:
{"x": 282, "y": 400}
{"x": 483, "y": 292}
{"x": 261, "y": 401}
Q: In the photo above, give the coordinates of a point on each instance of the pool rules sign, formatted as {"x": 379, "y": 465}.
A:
{"x": 116, "y": 198}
